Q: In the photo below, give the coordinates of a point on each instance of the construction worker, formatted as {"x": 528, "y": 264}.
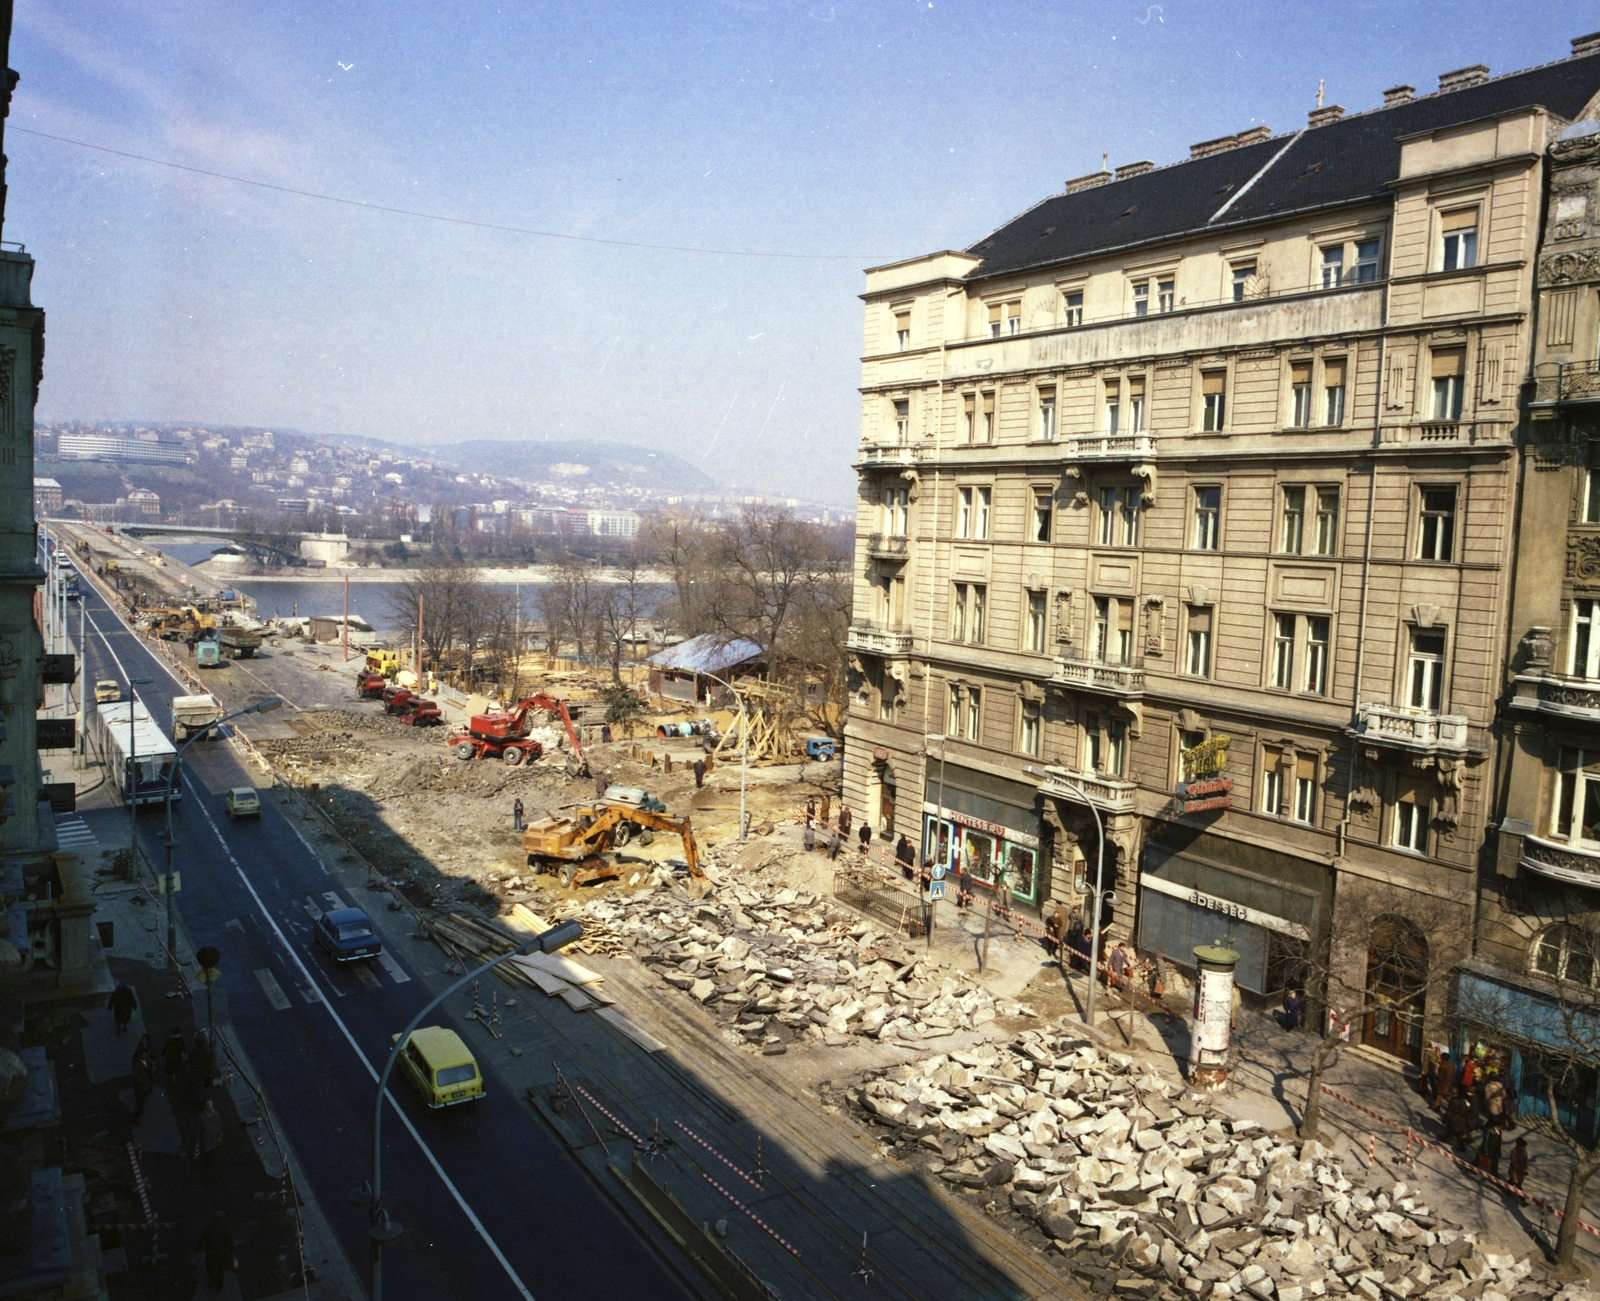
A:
{"x": 516, "y": 815}
{"x": 602, "y": 779}
{"x": 833, "y": 844}
{"x": 865, "y": 837}
{"x": 699, "y": 773}
{"x": 810, "y": 838}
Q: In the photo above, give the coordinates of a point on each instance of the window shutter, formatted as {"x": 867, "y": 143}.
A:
{"x": 1113, "y": 390}
{"x": 1333, "y": 373}
{"x": 1014, "y": 309}
{"x": 1200, "y": 618}
{"x": 988, "y": 404}
{"x": 1047, "y": 395}
{"x": 994, "y": 314}
{"x": 1449, "y": 363}
{"x": 902, "y": 320}
{"x": 1464, "y": 219}
{"x": 1306, "y": 766}
{"x": 1212, "y": 381}
{"x": 1300, "y": 373}
{"x": 967, "y": 403}
{"x": 1136, "y": 386}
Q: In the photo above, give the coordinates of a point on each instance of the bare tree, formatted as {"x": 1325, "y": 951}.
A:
{"x": 621, "y": 606}
{"x": 1557, "y": 1031}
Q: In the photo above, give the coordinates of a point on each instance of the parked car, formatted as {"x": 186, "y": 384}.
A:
{"x": 242, "y": 802}
{"x": 635, "y": 798}
{"x": 346, "y": 934}
{"x": 440, "y": 1067}
{"x": 107, "y": 692}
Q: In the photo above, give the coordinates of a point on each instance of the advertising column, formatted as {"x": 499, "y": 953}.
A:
{"x": 1213, "y": 1016}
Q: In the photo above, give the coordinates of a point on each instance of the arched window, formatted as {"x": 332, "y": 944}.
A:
{"x": 1567, "y": 952}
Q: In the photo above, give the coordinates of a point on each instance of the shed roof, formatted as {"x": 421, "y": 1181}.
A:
{"x": 707, "y": 653}
{"x": 1348, "y": 161}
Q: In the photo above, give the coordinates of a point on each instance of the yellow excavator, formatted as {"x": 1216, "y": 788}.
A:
{"x": 573, "y": 845}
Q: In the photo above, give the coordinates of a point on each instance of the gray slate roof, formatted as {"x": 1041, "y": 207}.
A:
{"x": 707, "y": 653}
{"x": 1348, "y": 161}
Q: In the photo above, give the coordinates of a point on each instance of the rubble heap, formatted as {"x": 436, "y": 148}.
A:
{"x": 1150, "y": 1191}
{"x": 781, "y": 965}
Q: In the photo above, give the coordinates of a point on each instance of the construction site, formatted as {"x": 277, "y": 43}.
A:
{"x": 945, "y": 1043}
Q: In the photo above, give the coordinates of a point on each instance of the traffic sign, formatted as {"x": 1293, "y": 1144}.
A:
{"x": 936, "y": 890}
{"x": 939, "y": 870}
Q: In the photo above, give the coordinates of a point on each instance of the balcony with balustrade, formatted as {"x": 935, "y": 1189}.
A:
{"x": 1108, "y": 794}
{"x": 1562, "y": 383}
{"x": 1124, "y": 680}
{"x": 1560, "y": 694}
{"x": 875, "y": 639}
{"x": 891, "y": 547}
{"x": 1105, "y": 448}
{"x": 1572, "y": 864}
{"x": 1413, "y": 730}
{"x": 885, "y": 456}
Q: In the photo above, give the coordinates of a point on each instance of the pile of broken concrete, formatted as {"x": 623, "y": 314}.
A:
{"x": 1152, "y": 1192}
{"x": 782, "y": 965}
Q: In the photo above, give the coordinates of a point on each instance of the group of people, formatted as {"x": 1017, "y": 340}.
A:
{"x": 1470, "y": 1095}
{"x": 817, "y": 822}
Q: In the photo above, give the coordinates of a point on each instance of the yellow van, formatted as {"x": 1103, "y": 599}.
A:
{"x": 242, "y": 802}
{"x": 440, "y": 1067}
{"x": 107, "y": 692}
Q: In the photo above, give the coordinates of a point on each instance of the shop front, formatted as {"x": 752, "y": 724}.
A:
{"x": 984, "y": 830}
{"x": 1187, "y": 899}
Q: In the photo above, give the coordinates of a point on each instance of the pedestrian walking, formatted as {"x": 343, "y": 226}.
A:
{"x": 1494, "y": 1103}
{"x": 1118, "y": 964}
{"x": 1458, "y": 1121}
{"x": 865, "y": 837}
{"x": 516, "y": 815}
{"x": 1294, "y": 1008}
{"x": 605, "y": 733}
{"x": 123, "y": 1004}
{"x": 811, "y": 810}
{"x": 175, "y": 1055}
{"x": 905, "y": 856}
{"x": 1469, "y": 1075}
{"x": 602, "y": 779}
{"x": 833, "y": 845}
{"x": 1446, "y": 1088}
{"x": 1233, "y": 1010}
{"x": 1489, "y": 1149}
{"x": 144, "y": 1081}
{"x": 822, "y": 812}
{"x": 216, "y": 1245}
{"x": 845, "y": 822}
{"x": 810, "y": 838}
{"x": 1055, "y": 930}
{"x": 209, "y": 1134}
{"x": 699, "y": 773}
{"x": 1517, "y": 1168}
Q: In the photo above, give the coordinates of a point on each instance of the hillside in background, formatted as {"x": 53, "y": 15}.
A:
{"x": 578, "y": 462}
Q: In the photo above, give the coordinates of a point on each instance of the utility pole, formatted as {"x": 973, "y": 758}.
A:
{"x": 346, "y": 624}
{"x": 419, "y": 643}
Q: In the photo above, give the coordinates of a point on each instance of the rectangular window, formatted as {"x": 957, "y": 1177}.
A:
{"x": 1283, "y": 651}
{"x": 1141, "y": 299}
{"x": 1213, "y": 393}
{"x": 895, "y": 506}
{"x": 1116, "y": 747}
{"x": 1300, "y": 394}
{"x": 958, "y": 613}
{"x": 1164, "y": 296}
{"x": 1317, "y": 655}
{"x": 1576, "y": 815}
{"x": 1119, "y": 516}
{"x": 1449, "y": 370}
{"x": 975, "y": 620}
{"x": 988, "y": 417}
{"x": 1093, "y": 748}
{"x": 1366, "y": 270}
{"x": 1207, "y": 512}
{"x": 1426, "y": 674}
{"x": 1333, "y": 267}
{"x": 1243, "y": 273}
{"x": 1333, "y": 392}
{"x": 1043, "y": 516}
{"x": 1272, "y": 782}
{"x": 1585, "y": 661}
{"x": 1113, "y": 406}
{"x": 1436, "y": 540}
{"x": 1327, "y": 520}
{"x": 902, "y": 330}
{"x": 1136, "y": 404}
{"x": 886, "y": 700}
{"x": 1108, "y": 516}
{"x": 953, "y": 718}
{"x": 1591, "y": 498}
{"x": 1410, "y": 819}
{"x": 1104, "y": 612}
{"x": 963, "y": 512}
{"x": 980, "y": 528}
{"x": 969, "y": 417}
{"x": 1072, "y": 310}
{"x": 996, "y": 322}
{"x": 1305, "y": 788}
{"x": 974, "y": 713}
{"x": 1292, "y": 537}
{"x": 1199, "y": 663}
{"x": 1014, "y": 318}
{"x": 1030, "y": 729}
{"x": 902, "y": 419}
{"x": 1460, "y": 240}
{"x": 1047, "y": 413}
{"x": 1036, "y": 623}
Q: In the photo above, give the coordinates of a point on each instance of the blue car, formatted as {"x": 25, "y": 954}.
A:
{"x": 347, "y": 935}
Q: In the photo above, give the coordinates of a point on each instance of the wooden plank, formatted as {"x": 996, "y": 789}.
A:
{"x": 619, "y": 1018}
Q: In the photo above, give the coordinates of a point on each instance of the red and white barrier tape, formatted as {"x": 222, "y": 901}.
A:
{"x": 771, "y": 1232}
{"x": 621, "y": 1128}
{"x": 754, "y": 1183}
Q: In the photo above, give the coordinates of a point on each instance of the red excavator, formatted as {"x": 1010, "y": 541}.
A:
{"x": 504, "y": 736}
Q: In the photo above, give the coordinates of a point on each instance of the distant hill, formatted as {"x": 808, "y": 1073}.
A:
{"x": 578, "y": 462}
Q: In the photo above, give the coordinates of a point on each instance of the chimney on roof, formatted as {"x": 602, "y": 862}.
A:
{"x": 1399, "y": 95}
{"x": 1255, "y": 135}
{"x": 1090, "y": 180}
{"x": 1461, "y": 78}
{"x": 1134, "y": 169}
{"x": 1323, "y": 116}
{"x": 1208, "y": 147}
{"x": 1582, "y": 45}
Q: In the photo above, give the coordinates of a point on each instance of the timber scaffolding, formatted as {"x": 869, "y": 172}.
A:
{"x": 767, "y": 716}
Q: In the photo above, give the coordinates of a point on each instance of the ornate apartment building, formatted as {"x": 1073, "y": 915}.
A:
{"x": 1189, "y": 494}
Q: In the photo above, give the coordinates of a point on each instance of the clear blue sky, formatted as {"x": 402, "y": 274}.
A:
{"x": 873, "y": 132}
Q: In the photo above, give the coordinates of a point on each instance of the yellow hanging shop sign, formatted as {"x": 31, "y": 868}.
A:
{"x": 1206, "y": 759}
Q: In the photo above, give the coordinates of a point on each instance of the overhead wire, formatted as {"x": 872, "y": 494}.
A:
{"x": 434, "y": 216}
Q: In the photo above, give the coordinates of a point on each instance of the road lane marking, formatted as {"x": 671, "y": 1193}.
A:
{"x": 334, "y": 902}
{"x": 233, "y": 924}
{"x": 311, "y": 907}
{"x": 274, "y": 991}
{"x": 310, "y": 995}
{"x": 455, "y": 1193}
{"x": 396, "y": 972}
{"x": 365, "y": 975}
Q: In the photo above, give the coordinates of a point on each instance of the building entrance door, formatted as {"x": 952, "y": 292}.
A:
{"x": 1397, "y": 975}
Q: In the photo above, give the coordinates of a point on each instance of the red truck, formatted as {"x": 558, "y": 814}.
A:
{"x": 503, "y": 736}
{"x": 417, "y": 712}
{"x": 370, "y": 686}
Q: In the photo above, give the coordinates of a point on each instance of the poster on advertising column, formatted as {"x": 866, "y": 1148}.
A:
{"x": 1215, "y": 1010}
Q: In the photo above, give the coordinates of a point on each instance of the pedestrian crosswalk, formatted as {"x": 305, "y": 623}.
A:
{"x": 75, "y": 837}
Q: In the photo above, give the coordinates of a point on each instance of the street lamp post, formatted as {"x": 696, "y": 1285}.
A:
{"x": 1099, "y": 888}
{"x": 744, "y": 746}
{"x": 383, "y": 1230}
{"x": 170, "y": 837}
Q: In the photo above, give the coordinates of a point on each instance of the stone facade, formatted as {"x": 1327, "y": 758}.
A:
{"x": 1254, "y": 483}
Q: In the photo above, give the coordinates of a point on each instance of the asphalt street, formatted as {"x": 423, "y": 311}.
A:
{"x": 491, "y": 1206}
